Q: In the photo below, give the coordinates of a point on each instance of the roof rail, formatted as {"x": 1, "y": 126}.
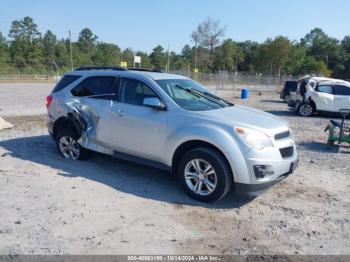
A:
{"x": 146, "y": 70}
{"x": 101, "y": 68}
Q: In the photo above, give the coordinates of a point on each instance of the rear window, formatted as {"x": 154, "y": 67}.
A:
{"x": 65, "y": 81}
{"x": 342, "y": 90}
{"x": 96, "y": 86}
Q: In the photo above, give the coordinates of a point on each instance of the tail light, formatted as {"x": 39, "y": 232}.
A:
{"x": 48, "y": 101}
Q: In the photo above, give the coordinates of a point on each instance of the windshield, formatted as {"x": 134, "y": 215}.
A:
{"x": 191, "y": 95}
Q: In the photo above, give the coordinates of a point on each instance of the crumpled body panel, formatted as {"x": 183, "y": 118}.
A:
{"x": 87, "y": 121}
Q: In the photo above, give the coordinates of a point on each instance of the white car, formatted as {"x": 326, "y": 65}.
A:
{"x": 320, "y": 94}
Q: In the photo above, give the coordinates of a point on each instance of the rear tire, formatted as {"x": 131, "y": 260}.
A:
{"x": 68, "y": 146}
{"x": 287, "y": 99}
{"x": 205, "y": 174}
{"x": 305, "y": 109}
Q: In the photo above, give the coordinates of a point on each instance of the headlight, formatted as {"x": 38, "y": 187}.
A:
{"x": 254, "y": 138}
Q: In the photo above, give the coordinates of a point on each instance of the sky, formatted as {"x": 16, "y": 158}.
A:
{"x": 143, "y": 24}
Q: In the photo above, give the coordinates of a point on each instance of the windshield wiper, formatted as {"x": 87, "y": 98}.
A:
{"x": 189, "y": 90}
{"x": 218, "y": 98}
{"x": 203, "y": 95}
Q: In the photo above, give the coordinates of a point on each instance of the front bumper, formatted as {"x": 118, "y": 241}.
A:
{"x": 263, "y": 168}
{"x": 257, "y": 189}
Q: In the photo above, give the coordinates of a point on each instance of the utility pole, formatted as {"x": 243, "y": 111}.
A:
{"x": 195, "y": 56}
{"x": 71, "y": 51}
{"x": 56, "y": 67}
{"x": 236, "y": 63}
{"x": 168, "y": 60}
{"x": 134, "y": 59}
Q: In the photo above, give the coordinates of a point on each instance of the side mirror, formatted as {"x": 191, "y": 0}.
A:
{"x": 154, "y": 102}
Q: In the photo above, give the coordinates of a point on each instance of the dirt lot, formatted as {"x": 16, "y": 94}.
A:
{"x": 49, "y": 205}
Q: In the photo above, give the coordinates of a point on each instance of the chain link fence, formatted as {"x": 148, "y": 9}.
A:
{"x": 221, "y": 83}
{"x": 28, "y": 78}
{"x": 232, "y": 83}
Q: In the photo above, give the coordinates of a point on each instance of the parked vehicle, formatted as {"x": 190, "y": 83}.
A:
{"x": 289, "y": 86}
{"x": 171, "y": 122}
{"x": 320, "y": 94}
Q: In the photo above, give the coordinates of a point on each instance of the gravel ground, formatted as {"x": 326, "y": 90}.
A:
{"x": 50, "y": 205}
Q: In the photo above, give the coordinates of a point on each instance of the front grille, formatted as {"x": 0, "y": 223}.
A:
{"x": 282, "y": 135}
{"x": 287, "y": 151}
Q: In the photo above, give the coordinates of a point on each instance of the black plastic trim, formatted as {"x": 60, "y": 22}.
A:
{"x": 101, "y": 68}
{"x": 141, "y": 160}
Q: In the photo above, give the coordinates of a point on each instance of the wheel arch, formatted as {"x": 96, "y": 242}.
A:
{"x": 191, "y": 144}
{"x": 66, "y": 122}
{"x": 312, "y": 102}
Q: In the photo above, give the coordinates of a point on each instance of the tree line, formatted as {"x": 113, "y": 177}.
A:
{"x": 28, "y": 51}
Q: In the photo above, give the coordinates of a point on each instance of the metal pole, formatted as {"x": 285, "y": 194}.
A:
{"x": 233, "y": 85}
{"x": 54, "y": 63}
{"x": 71, "y": 51}
{"x": 168, "y": 60}
{"x": 195, "y": 57}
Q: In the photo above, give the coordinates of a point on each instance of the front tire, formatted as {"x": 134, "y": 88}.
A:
{"x": 205, "y": 174}
{"x": 305, "y": 109}
{"x": 68, "y": 146}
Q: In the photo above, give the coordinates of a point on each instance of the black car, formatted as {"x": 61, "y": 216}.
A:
{"x": 289, "y": 86}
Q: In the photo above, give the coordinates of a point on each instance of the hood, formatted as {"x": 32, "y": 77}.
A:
{"x": 243, "y": 116}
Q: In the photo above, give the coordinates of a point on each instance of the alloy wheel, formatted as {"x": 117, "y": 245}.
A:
{"x": 200, "y": 177}
{"x": 69, "y": 147}
{"x": 305, "y": 110}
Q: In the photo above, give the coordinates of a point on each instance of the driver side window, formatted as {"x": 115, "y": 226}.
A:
{"x": 133, "y": 92}
{"x": 325, "y": 89}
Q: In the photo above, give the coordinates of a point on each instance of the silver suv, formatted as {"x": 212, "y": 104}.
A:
{"x": 171, "y": 122}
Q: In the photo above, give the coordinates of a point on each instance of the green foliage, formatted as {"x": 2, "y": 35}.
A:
{"x": 128, "y": 56}
{"x": 158, "y": 57}
{"x": 4, "y": 55}
{"x": 145, "y": 60}
{"x": 311, "y": 65}
{"x": 324, "y": 48}
{"x": 250, "y": 56}
{"x": 107, "y": 55}
{"x": 26, "y": 51}
{"x": 49, "y": 43}
{"x": 62, "y": 56}
{"x": 227, "y": 56}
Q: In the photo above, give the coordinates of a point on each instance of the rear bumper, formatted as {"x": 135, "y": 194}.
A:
{"x": 49, "y": 125}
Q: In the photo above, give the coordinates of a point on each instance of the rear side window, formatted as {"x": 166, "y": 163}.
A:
{"x": 291, "y": 85}
{"x": 325, "y": 89}
{"x": 65, "y": 81}
{"x": 342, "y": 90}
{"x": 99, "y": 86}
